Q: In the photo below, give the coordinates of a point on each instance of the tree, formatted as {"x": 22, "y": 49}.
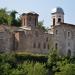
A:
{"x": 40, "y": 25}
{"x": 14, "y": 21}
{"x": 52, "y": 58}
{"x": 31, "y": 68}
{"x": 4, "y": 68}
{"x": 52, "y": 61}
{"x": 39, "y": 69}
{"x": 13, "y": 16}
{"x": 68, "y": 69}
{"x": 3, "y": 16}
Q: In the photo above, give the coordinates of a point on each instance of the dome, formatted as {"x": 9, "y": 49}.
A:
{"x": 32, "y": 12}
{"x": 57, "y": 10}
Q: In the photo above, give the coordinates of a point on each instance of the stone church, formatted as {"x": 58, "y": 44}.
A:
{"x": 30, "y": 38}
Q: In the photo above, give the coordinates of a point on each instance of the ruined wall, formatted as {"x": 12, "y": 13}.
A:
{"x": 34, "y": 40}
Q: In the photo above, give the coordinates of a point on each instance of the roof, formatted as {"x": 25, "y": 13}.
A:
{"x": 30, "y": 13}
{"x": 66, "y": 25}
{"x": 57, "y": 10}
{"x": 25, "y": 28}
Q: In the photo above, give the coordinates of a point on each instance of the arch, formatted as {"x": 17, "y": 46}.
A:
{"x": 48, "y": 46}
{"x": 24, "y": 21}
{"x": 39, "y": 45}
{"x": 56, "y": 46}
{"x": 30, "y": 18}
{"x": 69, "y": 53}
{"x": 56, "y": 31}
{"x": 53, "y": 21}
{"x": 34, "y": 45}
{"x": 44, "y": 45}
{"x": 59, "y": 19}
{"x": 46, "y": 39}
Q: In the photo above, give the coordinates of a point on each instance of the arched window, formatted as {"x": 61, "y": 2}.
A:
{"x": 46, "y": 39}
{"x": 56, "y": 31}
{"x": 35, "y": 21}
{"x": 39, "y": 45}
{"x": 56, "y": 46}
{"x": 53, "y": 21}
{"x": 34, "y": 45}
{"x": 48, "y": 46}
{"x": 59, "y": 19}
{"x": 69, "y": 53}
{"x": 44, "y": 45}
{"x": 69, "y": 34}
{"x": 24, "y": 21}
{"x": 29, "y": 18}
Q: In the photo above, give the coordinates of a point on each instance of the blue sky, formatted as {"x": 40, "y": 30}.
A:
{"x": 42, "y": 7}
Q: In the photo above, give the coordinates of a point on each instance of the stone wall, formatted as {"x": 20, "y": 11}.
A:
{"x": 64, "y": 37}
{"x": 34, "y": 40}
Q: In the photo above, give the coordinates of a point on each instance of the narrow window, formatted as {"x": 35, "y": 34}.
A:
{"x": 56, "y": 46}
{"x": 29, "y": 18}
{"x": 44, "y": 45}
{"x": 53, "y": 21}
{"x": 48, "y": 46}
{"x": 59, "y": 19}
{"x": 56, "y": 31}
{"x": 24, "y": 21}
{"x": 68, "y": 34}
{"x": 35, "y": 21}
{"x": 69, "y": 53}
{"x": 38, "y": 45}
{"x": 34, "y": 45}
{"x": 47, "y": 39}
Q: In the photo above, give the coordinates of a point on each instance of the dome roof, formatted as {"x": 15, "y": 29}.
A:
{"x": 31, "y": 12}
{"x": 57, "y": 10}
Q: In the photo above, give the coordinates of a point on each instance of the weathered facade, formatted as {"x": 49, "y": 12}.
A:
{"x": 30, "y": 38}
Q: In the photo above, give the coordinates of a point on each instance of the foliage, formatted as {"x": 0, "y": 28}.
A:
{"x": 29, "y": 64}
{"x": 68, "y": 69}
{"x": 9, "y": 18}
{"x": 31, "y": 57}
{"x": 52, "y": 58}
{"x": 40, "y": 25}
{"x": 34, "y": 69}
{"x": 14, "y": 21}
{"x": 10, "y": 66}
{"x": 3, "y": 16}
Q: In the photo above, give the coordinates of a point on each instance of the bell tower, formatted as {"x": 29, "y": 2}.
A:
{"x": 29, "y": 19}
{"x": 57, "y": 16}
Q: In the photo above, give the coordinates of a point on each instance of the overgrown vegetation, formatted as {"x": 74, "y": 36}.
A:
{"x": 9, "y": 18}
{"x": 29, "y": 64}
{"x": 41, "y": 26}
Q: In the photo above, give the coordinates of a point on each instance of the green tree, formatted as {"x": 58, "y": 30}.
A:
{"x": 40, "y": 25}
{"x": 4, "y": 68}
{"x": 13, "y": 16}
{"x": 68, "y": 69}
{"x": 34, "y": 69}
{"x": 14, "y": 21}
{"x": 3, "y": 16}
{"x": 39, "y": 69}
{"x": 52, "y": 58}
{"x": 52, "y": 61}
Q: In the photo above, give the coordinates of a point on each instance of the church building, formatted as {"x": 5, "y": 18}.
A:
{"x": 30, "y": 38}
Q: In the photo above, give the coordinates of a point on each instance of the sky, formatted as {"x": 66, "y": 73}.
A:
{"x": 42, "y": 7}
